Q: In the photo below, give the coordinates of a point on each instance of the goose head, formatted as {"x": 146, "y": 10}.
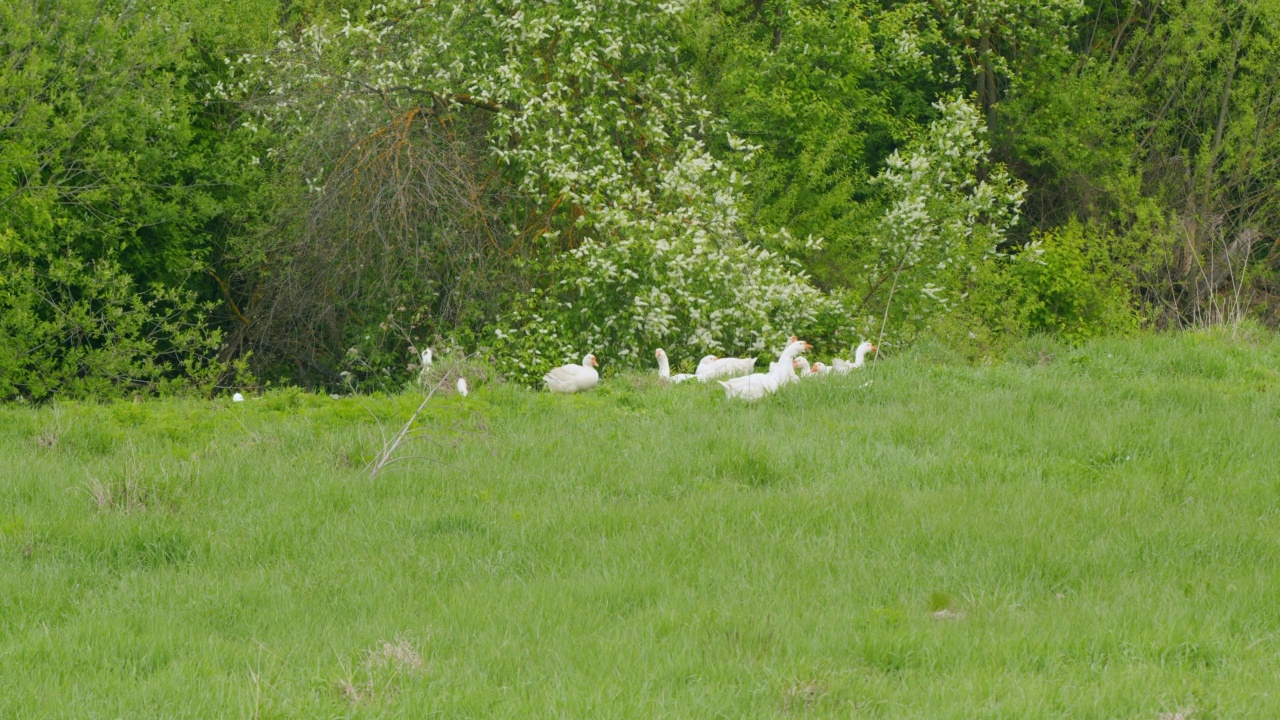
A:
{"x": 589, "y": 360}
{"x": 664, "y": 367}
{"x": 802, "y": 366}
{"x": 861, "y": 353}
{"x": 795, "y": 347}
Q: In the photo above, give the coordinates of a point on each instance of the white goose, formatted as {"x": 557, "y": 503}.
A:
{"x": 754, "y": 387}
{"x": 425, "y": 373}
{"x": 704, "y": 366}
{"x": 664, "y": 368}
{"x": 803, "y": 369}
{"x": 724, "y": 367}
{"x": 821, "y": 369}
{"x": 860, "y": 355}
{"x": 573, "y": 378}
{"x": 462, "y": 387}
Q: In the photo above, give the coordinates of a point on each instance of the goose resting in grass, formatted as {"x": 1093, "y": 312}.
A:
{"x": 860, "y": 356}
{"x": 802, "y": 367}
{"x": 704, "y": 366}
{"x": 754, "y": 387}
{"x": 573, "y": 378}
{"x": 821, "y": 369}
{"x": 724, "y": 367}
{"x": 664, "y": 368}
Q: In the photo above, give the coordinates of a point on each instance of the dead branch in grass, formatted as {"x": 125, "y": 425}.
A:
{"x": 409, "y": 433}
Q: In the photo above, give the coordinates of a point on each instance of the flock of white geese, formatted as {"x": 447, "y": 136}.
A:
{"x": 739, "y": 379}
{"x": 736, "y": 375}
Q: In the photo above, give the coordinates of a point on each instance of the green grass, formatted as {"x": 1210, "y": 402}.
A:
{"x": 1089, "y": 533}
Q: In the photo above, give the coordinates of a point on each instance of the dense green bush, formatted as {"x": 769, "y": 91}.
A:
{"x": 1081, "y": 284}
{"x": 83, "y": 330}
{"x": 118, "y": 183}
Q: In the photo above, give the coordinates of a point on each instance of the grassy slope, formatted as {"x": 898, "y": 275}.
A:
{"x": 1105, "y": 526}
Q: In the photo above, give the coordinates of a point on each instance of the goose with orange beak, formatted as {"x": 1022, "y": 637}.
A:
{"x": 860, "y": 356}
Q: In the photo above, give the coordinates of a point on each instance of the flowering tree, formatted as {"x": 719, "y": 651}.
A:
{"x": 588, "y": 116}
{"x": 950, "y": 210}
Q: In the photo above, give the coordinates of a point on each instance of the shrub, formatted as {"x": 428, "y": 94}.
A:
{"x": 1082, "y": 284}
{"x": 81, "y": 330}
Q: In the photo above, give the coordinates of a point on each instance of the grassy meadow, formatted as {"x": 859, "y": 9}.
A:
{"x": 1084, "y": 532}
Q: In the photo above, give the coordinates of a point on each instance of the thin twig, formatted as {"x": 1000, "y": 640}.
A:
{"x": 407, "y": 431}
{"x": 888, "y": 304}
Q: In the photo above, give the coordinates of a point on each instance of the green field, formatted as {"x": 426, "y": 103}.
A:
{"x": 1074, "y": 533}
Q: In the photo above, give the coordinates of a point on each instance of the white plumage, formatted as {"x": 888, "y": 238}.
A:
{"x": 860, "y": 356}
{"x": 425, "y": 371}
{"x": 725, "y": 367}
{"x": 756, "y": 386}
{"x": 704, "y": 366}
{"x": 237, "y": 398}
{"x": 573, "y": 378}
{"x": 802, "y": 367}
{"x": 462, "y": 387}
{"x": 664, "y": 368}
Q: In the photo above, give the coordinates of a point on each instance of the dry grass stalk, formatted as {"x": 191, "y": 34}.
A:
{"x": 408, "y": 432}
{"x": 382, "y": 667}
{"x": 803, "y": 696}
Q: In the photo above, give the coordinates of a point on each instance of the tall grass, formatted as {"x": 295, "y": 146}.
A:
{"x": 1083, "y": 533}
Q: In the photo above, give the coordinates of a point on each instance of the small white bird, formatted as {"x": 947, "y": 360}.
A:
{"x": 426, "y": 367}
{"x": 664, "y": 368}
{"x": 573, "y": 378}
{"x": 821, "y": 369}
{"x": 237, "y": 398}
{"x": 802, "y": 367}
{"x": 462, "y": 387}
{"x": 860, "y": 356}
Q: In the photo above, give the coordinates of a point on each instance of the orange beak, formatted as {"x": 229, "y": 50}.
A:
{"x": 807, "y": 346}
{"x": 814, "y": 368}
{"x": 593, "y": 362}
{"x": 875, "y": 349}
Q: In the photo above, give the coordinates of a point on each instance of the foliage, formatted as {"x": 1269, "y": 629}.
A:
{"x": 1163, "y": 128}
{"x": 950, "y": 212}
{"x": 592, "y": 120}
{"x": 1081, "y": 284}
{"x": 87, "y": 331}
{"x": 317, "y": 177}
{"x": 115, "y": 178}
{"x": 827, "y": 92}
